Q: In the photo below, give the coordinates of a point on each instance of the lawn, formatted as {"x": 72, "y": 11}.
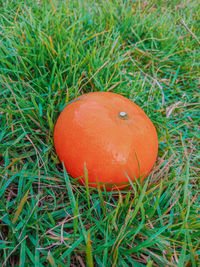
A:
{"x": 50, "y": 53}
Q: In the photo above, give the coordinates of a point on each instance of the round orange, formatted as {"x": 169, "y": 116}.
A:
{"x": 107, "y": 138}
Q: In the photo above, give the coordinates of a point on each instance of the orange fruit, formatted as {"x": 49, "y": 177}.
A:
{"x": 106, "y": 136}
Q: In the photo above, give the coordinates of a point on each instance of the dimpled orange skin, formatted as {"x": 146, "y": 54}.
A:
{"x": 90, "y": 135}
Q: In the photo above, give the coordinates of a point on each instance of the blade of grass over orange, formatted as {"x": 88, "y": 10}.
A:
{"x": 54, "y": 51}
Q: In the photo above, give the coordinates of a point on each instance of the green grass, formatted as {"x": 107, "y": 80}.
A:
{"x": 53, "y": 51}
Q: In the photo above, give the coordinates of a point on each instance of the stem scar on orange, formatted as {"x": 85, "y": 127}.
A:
{"x": 110, "y": 136}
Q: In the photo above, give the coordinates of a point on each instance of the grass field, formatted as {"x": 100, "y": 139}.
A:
{"x": 52, "y": 51}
